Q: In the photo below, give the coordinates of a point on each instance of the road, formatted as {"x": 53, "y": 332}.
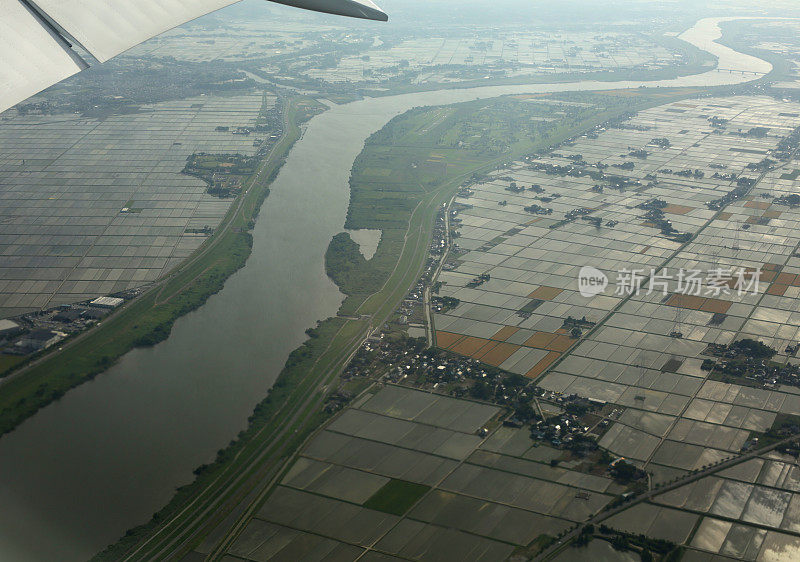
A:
{"x": 645, "y": 496}
{"x": 426, "y": 295}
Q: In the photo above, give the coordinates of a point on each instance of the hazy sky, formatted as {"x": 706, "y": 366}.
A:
{"x": 418, "y": 12}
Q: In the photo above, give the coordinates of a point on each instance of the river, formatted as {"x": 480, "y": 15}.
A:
{"x": 111, "y": 452}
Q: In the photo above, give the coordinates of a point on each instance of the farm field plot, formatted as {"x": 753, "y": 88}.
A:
{"x": 96, "y": 206}
{"x": 411, "y": 498}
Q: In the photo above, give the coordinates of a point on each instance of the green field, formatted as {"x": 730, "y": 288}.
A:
{"x": 8, "y": 362}
{"x": 396, "y": 496}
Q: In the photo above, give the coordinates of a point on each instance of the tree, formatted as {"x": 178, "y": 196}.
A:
{"x": 576, "y": 408}
{"x": 753, "y": 348}
{"x": 524, "y": 411}
{"x": 481, "y": 390}
{"x": 625, "y": 471}
{"x": 620, "y": 543}
{"x": 515, "y": 381}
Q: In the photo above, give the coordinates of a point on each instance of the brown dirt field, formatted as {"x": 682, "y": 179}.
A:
{"x": 716, "y": 305}
{"x": 772, "y": 214}
{"x": 677, "y": 209}
{"x": 686, "y": 301}
{"x": 485, "y": 349}
{"x": 724, "y": 216}
{"x": 560, "y": 343}
{"x": 767, "y": 276}
{"x": 748, "y": 275}
{"x": 542, "y": 365}
{"x": 771, "y": 267}
{"x": 500, "y": 353}
{"x": 545, "y": 293}
{"x": 762, "y": 205}
{"x": 540, "y": 340}
{"x": 505, "y": 332}
{"x": 785, "y": 278}
{"x": 469, "y": 346}
{"x": 446, "y": 339}
{"x": 777, "y": 290}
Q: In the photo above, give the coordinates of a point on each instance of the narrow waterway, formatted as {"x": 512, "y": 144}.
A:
{"x": 80, "y": 472}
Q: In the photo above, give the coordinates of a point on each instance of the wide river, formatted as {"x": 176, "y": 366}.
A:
{"x": 111, "y": 452}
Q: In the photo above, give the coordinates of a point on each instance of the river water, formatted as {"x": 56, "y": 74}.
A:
{"x": 111, "y": 452}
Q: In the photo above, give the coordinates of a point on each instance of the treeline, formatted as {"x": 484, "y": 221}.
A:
{"x": 347, "y": 267}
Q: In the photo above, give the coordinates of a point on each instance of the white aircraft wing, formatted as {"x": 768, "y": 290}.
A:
{"x": 32, "y": 57}
{"x": 36, "y": 36}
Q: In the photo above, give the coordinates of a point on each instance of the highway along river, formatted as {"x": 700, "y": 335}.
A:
{"x": 83, "y": 470}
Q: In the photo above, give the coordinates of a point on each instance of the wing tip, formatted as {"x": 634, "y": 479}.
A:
{"x": 363, "y": 9}
{"x": 372, "y": 10}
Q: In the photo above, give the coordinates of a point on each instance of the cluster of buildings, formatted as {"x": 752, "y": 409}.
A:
{"x": 34, "y": 332}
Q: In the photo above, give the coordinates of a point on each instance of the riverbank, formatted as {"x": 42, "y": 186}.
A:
{"x": 733, "y": 37}
{"x": 148, "y": 319}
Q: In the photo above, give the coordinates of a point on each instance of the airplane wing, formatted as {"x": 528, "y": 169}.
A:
{"x": 37, "y": 36}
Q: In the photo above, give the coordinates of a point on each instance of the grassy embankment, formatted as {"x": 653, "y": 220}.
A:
{"x": 405, "y": 173}
{"x": 148, "y": 319}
